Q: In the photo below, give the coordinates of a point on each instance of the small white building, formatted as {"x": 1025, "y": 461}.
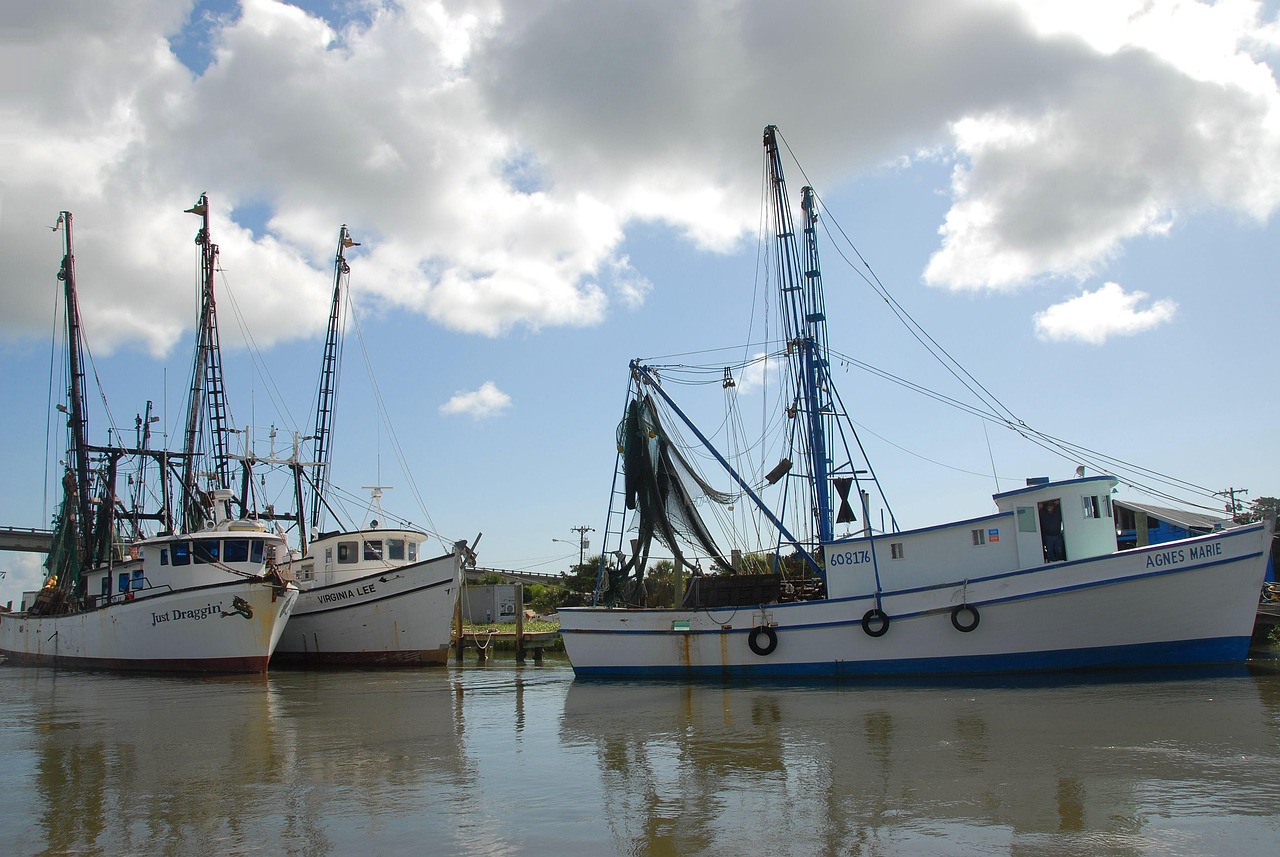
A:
{"x": 491, "y": 603}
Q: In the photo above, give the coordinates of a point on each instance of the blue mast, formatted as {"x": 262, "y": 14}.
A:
{"x": 805, "y": 327}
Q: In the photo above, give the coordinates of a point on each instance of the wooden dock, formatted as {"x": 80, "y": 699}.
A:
{"x": 483, "y": 639}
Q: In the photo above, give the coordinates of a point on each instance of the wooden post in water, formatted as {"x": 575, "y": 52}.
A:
{"x": 519, "y": 623}
{"x": 457, "y": 627}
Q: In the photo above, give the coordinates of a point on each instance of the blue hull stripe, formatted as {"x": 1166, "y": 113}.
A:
{"x": 1221, "y": 650}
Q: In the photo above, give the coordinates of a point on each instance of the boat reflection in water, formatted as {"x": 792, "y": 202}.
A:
{"x": 1123, "y": 767}
{"x": 309, "y": 763}
{"x": 500, "y": 759}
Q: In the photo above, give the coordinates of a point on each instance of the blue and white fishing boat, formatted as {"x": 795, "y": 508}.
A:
{"x": 1036, "y": 585}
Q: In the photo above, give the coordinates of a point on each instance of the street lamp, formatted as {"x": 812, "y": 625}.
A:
{"x": 582, "y": 542}
{"x": 578, "y": 545}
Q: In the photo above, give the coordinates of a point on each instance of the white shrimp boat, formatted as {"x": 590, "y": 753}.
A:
{"x": 1037, "y": 585}
{"x": 370, "y": 597}
{"x": 205, "y": 600}
{"x": 198, "y": 602}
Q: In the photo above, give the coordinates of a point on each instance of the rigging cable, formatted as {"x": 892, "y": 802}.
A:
{"x": 997, "y": 410}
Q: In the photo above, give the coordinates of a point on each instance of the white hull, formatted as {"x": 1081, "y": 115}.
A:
{"x": 389, "y": 616}
{"x": 1181, "y": 603}
{"x": 227, "y": 627}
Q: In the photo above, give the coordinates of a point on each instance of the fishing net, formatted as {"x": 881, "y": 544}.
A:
{"x": 663, "y": 489}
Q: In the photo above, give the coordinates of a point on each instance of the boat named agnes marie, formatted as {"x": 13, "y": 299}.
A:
{"x": 1037, "y": 585}
{"x": 206, "y": 598}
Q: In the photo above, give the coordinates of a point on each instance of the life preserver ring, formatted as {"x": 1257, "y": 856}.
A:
{"x": 969, "y": 626}
{"x": 771, "y": 640}
{"x": 875, "y": 615}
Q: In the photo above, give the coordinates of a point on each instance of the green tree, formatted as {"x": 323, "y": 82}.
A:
{"x": 660, "y": 584}
{"x": 580, "y": 583}
{"x": 544, "y": 597}
{"x": 1261, "y": 507}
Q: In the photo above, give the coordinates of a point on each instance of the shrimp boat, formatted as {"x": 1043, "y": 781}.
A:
{"x": 203, "y": 596}
{"x": 370, "y": 597}
{"x": 1036, "y": 585}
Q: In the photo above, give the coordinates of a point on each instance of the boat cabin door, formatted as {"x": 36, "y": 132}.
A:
{"x": 1050, "y": 514}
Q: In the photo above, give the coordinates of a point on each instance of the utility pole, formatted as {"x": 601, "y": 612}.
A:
{"x": 582, "y": 542}
{"x": 1234, "y": 506}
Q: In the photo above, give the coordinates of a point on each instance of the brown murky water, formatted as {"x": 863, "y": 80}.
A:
{"x": 501, "y": 759}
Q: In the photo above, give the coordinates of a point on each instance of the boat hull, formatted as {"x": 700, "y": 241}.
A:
{"x": 1191, "y": 602}
{"x": 399, "y": 616}
{"x": 230, "y": 628}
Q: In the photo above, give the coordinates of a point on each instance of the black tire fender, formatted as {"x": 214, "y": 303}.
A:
{"x": 966, "y": 627}
{"x": 770, "y": 636}
{"x": 871, "y": 618}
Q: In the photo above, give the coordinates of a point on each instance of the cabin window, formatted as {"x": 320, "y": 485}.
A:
{"x": 373, "y": 549}
{"x": 137, "y": 580}
{"x": 1026, "y": 519}
{"x": 306, "y": 572}
{"x": 347, "y": 551}
{"x": 1106, "y": 505}
{"x": 255, "y": 551}
{"x": 123, "y": 582}
{"x": 413, "y": 551}
{"x": 1091, "y": 506}
{"x": 205, "y": 550}
{"x": 328, "y": 556}
{"x": 182, "y": 553}
{"x": 979, "y": 537}
{"x": 106, "y": 584}
{"x": 235, "y": 550}
{"x": 395, "y": 549}
{"x": 164, "y": 556}
{"x": 896, "y": 550}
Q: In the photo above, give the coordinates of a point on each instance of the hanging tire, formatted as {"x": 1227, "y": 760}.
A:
{"x": 965, "y": 626}
{"x": 875, "y": 622}
{"x": 770, "y": 640}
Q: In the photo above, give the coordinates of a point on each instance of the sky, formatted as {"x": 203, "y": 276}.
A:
{"x": 1078, "y": 201}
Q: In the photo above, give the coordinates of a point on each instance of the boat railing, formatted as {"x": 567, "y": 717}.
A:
{"x": 147, "y": 590}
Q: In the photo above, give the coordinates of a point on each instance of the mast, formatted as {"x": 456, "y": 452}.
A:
{"x": 804, "y": 317}
{"x": 77, "y": 421}
{"x": 142, "y": 441}
{"x": 329, "y": 377}
{"x": 207, "y": 398}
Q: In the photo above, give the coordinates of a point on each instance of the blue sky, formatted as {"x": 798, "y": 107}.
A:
{"x": 1080, "y": 208}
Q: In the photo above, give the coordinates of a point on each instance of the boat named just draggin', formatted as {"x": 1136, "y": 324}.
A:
{"x": 198, "y": 602}
{"x": 205, "y": 599}
{"x": 1036, "y": 585}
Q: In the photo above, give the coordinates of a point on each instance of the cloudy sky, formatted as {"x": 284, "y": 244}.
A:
{"x": 1077, "y": 199}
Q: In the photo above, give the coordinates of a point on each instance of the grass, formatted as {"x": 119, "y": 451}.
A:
{"x": 531, "y": 626}
{"x": 507, "y": 642}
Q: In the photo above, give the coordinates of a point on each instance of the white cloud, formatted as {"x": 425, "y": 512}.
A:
{"x": 756, "y": 374}
{"x": 488, "y": 401}
{"x": 23, "y": 572}
{"x": 1163, "y": 113}
{"x": 1094, "y": 317}
{"x": 491, "y": 158}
